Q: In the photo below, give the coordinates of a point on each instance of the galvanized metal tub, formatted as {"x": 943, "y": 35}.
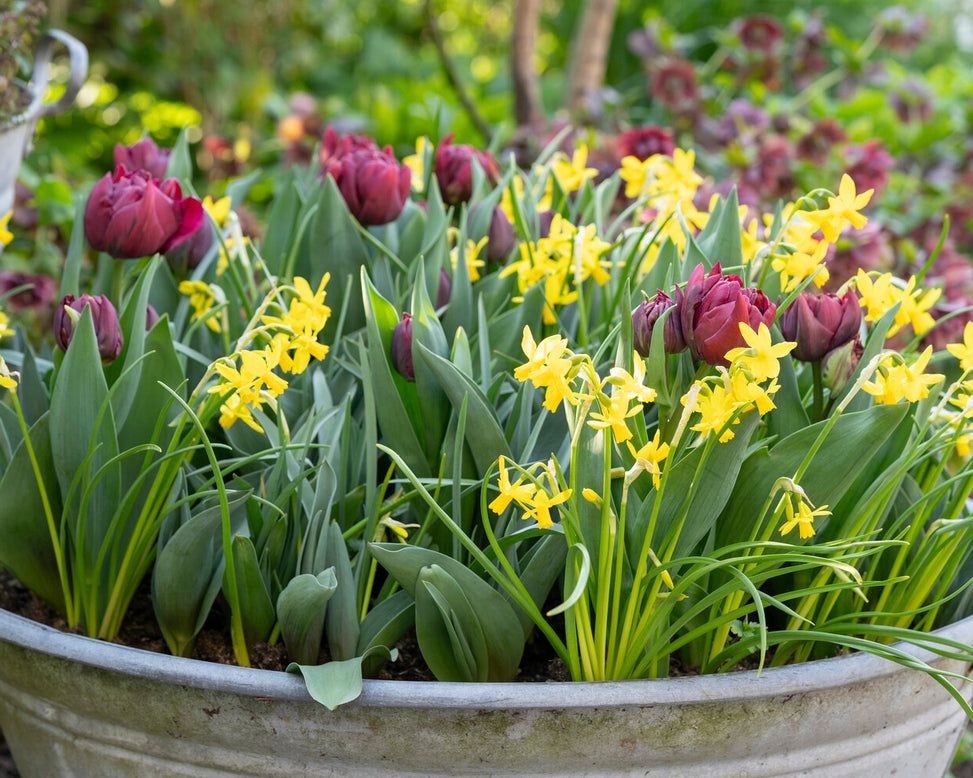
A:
{"x": 71, "y": 706}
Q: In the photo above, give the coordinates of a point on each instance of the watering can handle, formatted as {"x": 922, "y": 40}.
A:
{"x": 78, "y": 56}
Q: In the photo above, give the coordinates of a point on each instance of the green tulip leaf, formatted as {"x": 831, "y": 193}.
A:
{"x": 483, "y": 432}
{"x": 256, "y": 607}
{"x": 504, "y": 637}
{"x": 335, "y": 683}
{"x": 281, "y": 221}
{"x": 842, "y": 456}
{"x": 187, "y": 576}
{"x": 396, "y": 403}
{"x": 301, "y": 611}
{"x": 26, "y": 548}
{"x": 83, "y": 440}
{"x": 448, "y": 631}
{"x": 341, "y": 624}
{"x": 385, "y": 623}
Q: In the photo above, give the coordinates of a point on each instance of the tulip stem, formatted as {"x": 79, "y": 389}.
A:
{"x": 818, "y": 391}
{"x": 117, "y": 280}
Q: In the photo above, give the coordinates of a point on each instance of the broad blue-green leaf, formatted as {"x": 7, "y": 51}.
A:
{"x": 301, "y": 610}
{"x": 81, "y": 423}
{"x": 396, "y": 405}
{"x": 335, "y": 683}
{"x": 434, "y": 407}
{"x": 720, "y": 239}
{"x": 483, "y": 431}
{"x": 341, "y": 624}
{"x": 842, "y": 456}
{"x": 32, "y": 393}
{"x": 545, "y": 564}
{"x": 449, "y": 634}
{"x": 180, "y": 164}
{"x": 281, "y": 223}
{"x": 256, "y": 607}
{"x": 187, "y": 575}
{"x": 386, "y": 622}
{"x": 26, "y": 548}
{"x": 504, "y": 638}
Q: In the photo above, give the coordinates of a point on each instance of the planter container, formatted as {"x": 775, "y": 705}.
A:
{"x": 17, "y": 135}
{"x": 72, "y": 706}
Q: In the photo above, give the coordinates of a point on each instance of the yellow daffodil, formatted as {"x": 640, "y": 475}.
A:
{"x": 632, "y": 385}
{"x": 549, "y": 366}
{"x": 962, "y": 351}
{"x": 202, "y": 298}
{"x": 615, "y": 411}
{"x": 472, "y": 253}
{"x": 571, "y": 174}
{"x": 802, "y": 518}
{"x": 894, "y": 380}
{"x": 5, "y": 329}
{"x": 8, "y": 380}
{"x": 520, "y": 492}
{"x": 761, "y": 357}
{"x": 841, "y": 210}
{"x": 417, "y": 163}
{"x": 5, "y": 235}
{"x": 715, "y": 407}
{"x": 541, "y": 504}
{"x": 218, "y": 209}
{"x": 650, "y": 456}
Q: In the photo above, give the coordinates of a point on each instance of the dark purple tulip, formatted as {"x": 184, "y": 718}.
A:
{"x": 144, "y": 155}
{"x": 500, "y": 234}
{"x": 188, "y": 254}
{"x": 644, "y": 320}
{"x": 820, "y": 323}
{"x": 334, "y": 147}
{"x": 132, "y": 215}
{"x": 711, "y": 309}
{"x": 103, "y": 315}
{"x": 402, "y": 348}
{"x": 454, "y": 169}
{"x": 375, "y": 186}
{"x": 444, "y": 289}
{"x": 151, "y": 317}
{"x": 40, "y": 294}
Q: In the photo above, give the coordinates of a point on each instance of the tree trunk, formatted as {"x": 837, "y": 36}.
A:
{"x": 590, "y": 52}
{"x": 527, "y": 89}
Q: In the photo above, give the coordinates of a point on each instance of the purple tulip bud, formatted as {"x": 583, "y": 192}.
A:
{"x": 499, "y": 234}
{"x": 711, "y": 309}
{"x": 130, "y": 215}
{"x": 103, "y": 315}
{"x": 444, "y": 289}
{"x": 39, "y": 295}
{"x": 151, "y": 317}
{"x": 375, "y": 186}
{"x": 454, "y": 169}
{"x": 402, "y": 348}
{"x": 188, "y": 254}
{"x": 821, "y": 323}
{"x": 144, "y": 155}
{"x": 644, "y": 320}
{"x": 334, "y": 147}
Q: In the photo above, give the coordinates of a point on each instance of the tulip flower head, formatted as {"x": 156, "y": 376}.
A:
{"x": 144, "y": 155}
{"x": 132, "y": 215}
{"x": 103, "y": 315}
{"x": 711, "y": 309}
{"x": 454, "y": 169}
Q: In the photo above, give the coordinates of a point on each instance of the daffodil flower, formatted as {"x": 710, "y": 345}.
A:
{"x": 762, "y": 357}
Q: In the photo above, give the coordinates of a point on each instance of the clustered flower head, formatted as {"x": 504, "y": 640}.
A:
{"x": 560, "y": 262}
{"x": 293, "y": 343}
